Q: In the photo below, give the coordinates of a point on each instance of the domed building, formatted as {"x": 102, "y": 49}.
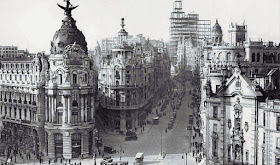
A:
{"x": 69, "y": 92}
{"x": 217, "y": 33}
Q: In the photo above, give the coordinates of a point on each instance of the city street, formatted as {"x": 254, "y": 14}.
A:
{"x": 175, "y": 141}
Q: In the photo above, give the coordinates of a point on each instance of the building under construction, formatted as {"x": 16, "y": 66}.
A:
{"x": 186, "y": 25}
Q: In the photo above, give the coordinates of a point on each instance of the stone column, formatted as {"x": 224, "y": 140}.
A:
{"x": 86, "y": 108}
{"x": 69, "y": 110}
{"x": 82, "y": 108}
{"x": 122, "y": 121}
{"x": 31, "y": 115}
{"x": 85, "y": 144}
{"x": 67, "y": 145}
{"x": 50, "y": 111}
{"x": 64, "y": 120}
{"x": 46, "y": 108}
{"x": 51, "y": 148}
{"x": 22, "y": 114}
{"x": 92, "y": 108}
{"x": 53, "y": 109}
{"x": 18, "y": 114}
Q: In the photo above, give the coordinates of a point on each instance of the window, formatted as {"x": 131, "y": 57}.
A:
{"x": 253, "y": 57}
{"x": 75, "y": 118}
{"x": 74, "y": 79}
{"x": 278, "y": 123}
{"x": 263, "y": 118}
{"x": 214, "y": 147}
{"x": 86, "y": 78}
{"x": 278, "y": 143}
{"x": 215, "y": 112}
{"x": 215, "y": 129}
{"x": 247, "y": 156}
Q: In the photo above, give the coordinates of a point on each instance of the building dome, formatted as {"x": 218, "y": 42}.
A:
{"x": 217, "y": 28}
{"x": 217, "y": 33}
{"x": 67, "y": 34}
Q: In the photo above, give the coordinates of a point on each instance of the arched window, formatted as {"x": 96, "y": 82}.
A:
{"x": 74, "y": 78}
{"x": 253, "y": 57}
{"x": 117, "y": 74}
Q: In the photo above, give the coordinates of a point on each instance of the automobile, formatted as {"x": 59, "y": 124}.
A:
{"x": 109, "y": 150}
{"x": 139, "y": 159}
{"x": 155, "y": 120}
{"x": 170, "y": 125}
{"x": 175, "y": 114}
{"x": 120, "y": 163}
{"x": 130, "y": 133}
{"x": 129, "y": 138}
{"x": 107, "y": 161}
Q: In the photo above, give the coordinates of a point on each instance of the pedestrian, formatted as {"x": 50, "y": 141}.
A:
{"x": 49, "y": 161}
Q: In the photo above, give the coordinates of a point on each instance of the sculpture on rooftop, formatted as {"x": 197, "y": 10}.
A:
{"x": 68, "y": 9}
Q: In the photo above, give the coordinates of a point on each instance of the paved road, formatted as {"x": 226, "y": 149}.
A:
{"x": 175, "y": 141}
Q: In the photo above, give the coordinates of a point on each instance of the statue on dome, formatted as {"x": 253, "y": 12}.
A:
{"x": 68, "y": 9}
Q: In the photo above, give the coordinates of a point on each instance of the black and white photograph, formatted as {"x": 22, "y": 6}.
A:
{"x": 140, "y": 82}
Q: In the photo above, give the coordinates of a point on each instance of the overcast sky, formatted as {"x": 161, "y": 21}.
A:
{"x": 31, "y": 24}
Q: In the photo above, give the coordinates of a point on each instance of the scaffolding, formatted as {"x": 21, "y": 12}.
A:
{"x": 185, "y": 26}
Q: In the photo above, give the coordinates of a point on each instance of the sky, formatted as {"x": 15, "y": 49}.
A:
{"x": 31, "y": 24}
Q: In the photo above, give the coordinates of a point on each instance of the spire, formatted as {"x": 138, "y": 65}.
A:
{"x": 68, "y": 8}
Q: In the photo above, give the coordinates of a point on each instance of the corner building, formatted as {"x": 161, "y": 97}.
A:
{"x": 129, "y": 79}
{"x": 53, "y": 94}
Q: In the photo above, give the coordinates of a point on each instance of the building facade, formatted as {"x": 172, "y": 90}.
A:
{"x": 52, "y": 96}
{"x": 128, "y": 79}
{"x": 236, "y": 78}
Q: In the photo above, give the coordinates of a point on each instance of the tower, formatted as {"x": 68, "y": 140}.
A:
{"x": 217, "y": 33}
{"x": 237, "y": 34}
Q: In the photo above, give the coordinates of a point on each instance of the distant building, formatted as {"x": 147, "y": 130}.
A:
{"x": 185, "y": 26}
{"x": 130, "y": 76}
{"x": 12, "y": 51}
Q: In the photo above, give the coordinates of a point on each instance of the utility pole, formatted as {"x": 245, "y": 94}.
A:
{"x": 161, "y": 141}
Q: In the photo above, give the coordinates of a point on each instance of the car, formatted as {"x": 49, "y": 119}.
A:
{"x": 170, "y": 125}
{"x": 130, "y": 133}
{"x": 109, "y": 150}
{"x": 129, "y": 138}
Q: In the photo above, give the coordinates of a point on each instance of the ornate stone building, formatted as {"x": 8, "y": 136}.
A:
{"x": 128, "y": 79}
{"x": 52, "y": 96}
{"x": 236, "y": 78}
